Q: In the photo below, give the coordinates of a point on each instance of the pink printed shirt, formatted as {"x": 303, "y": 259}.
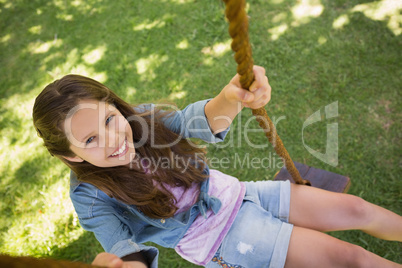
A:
{"x": 204, "y": 236}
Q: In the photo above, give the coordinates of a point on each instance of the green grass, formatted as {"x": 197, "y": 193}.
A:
{"x": 158, "y": 50}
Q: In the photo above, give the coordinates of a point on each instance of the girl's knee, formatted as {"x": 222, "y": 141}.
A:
{"x": 358, "y": 210}
{"x": 356, "y": 256}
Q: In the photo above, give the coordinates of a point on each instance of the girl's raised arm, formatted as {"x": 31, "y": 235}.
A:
{"x": 222, "y": 109}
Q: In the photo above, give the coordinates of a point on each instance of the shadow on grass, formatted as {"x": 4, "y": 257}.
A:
{"x": 58, "y": 37}
{"x": 84, "y": 249}
{"x": 154, "y": 49}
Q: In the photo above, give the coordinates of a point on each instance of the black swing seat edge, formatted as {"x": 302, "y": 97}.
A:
{"x": 319, "y": 178}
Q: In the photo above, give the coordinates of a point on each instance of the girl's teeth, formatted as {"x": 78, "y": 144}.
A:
{"x": 123, "y": 147}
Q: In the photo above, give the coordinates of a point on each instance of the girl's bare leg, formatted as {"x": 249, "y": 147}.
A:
{"x": 321, "y": 210}
{"x": 313, "y": 210}
{"x": 313, "y": 249}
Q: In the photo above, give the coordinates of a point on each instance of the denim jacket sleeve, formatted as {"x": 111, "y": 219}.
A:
{"x": 99, "y": 214}
{"x": 191, "y": 122}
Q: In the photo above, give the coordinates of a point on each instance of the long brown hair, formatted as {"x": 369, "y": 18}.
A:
{"x": 133, "y": 186}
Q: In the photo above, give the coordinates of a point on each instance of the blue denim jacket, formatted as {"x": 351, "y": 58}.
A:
{"x": 122, "y": 229}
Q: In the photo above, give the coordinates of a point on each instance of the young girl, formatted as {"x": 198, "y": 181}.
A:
{"x": 136, "y": 178}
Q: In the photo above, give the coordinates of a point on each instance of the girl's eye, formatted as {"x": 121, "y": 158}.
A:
{"x": 89, "y": 140}
{"x": 109, "y": 119}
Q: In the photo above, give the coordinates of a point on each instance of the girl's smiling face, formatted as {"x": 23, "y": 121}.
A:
{"x": 99, "y": 134}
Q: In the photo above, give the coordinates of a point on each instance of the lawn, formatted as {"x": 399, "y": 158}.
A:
{"x": 317, "y": 53}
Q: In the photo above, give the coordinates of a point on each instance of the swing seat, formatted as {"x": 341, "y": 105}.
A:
{"x": 319, "y": 178}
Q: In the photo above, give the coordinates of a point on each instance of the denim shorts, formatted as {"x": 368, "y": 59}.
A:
{"x": 260, "y": 234}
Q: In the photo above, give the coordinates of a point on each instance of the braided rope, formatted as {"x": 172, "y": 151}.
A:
{"x": 238, "y": 30}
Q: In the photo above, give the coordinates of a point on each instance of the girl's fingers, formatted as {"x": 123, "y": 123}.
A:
{"x": 244, "y": 95}
{"x": 105, "y": 259}
{"x": 261, "y": 96}
{"x": 258, "y": 94}
{"x": 260, "y": 80}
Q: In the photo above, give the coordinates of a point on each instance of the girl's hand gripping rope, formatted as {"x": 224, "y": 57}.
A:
{"x": 258, "y": 95}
